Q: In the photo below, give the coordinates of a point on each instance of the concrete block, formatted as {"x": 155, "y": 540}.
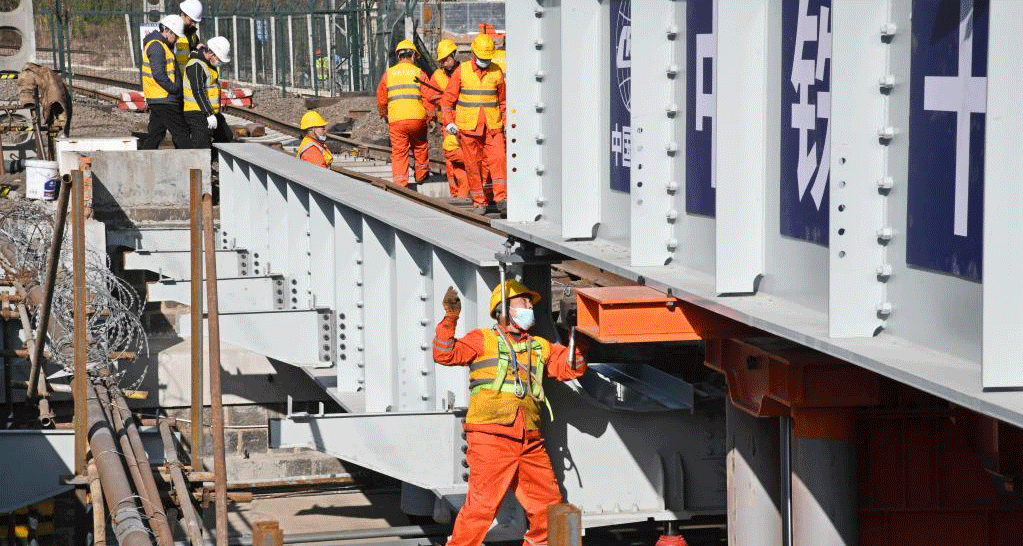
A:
{"x": 298, "y": 467}
{"x": 21, "y": 20}
{"x": 254, "y": 441}
{"x": 328, "y": 466}
{"x": 246, "y": 415}
{"x": 131, "y": 188}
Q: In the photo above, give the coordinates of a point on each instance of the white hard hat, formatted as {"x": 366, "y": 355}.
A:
{"x": 220, "y": 47}
{"x": 174, "y": 23}
{"x": 193, "y": 9}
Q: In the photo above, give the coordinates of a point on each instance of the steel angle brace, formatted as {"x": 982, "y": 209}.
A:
{"x": 176, "y": 264}
{"x": 237, "y": 294}
{"x": 293, "y": 337}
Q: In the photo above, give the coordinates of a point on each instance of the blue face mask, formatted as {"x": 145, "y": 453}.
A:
{"x": 523, "y": 318}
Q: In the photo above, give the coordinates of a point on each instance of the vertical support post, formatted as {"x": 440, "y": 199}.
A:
{"x": 80, "y": 377}
{"x": 565, "y": 525}
{"x": 273, "y": 50}
{"x": 754, "y": 511}
{"x": 252, "y": 49}
{"x": 236, "y": 72}
{"x": 329, "y": 48}
{"x": 309, "y": 43}
{"x": 195, "y": 312}
{"x": 129, "y": 34}
{"x": 291, "y": 51}
{"x": 219, "y": 464}
{"x": 824, "y": 507}
{"x": 1002, "y": 290}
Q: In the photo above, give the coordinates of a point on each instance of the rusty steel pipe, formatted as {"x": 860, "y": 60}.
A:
{"x": 45, "y": 413}
{"x": 127, "y": 522}
{"x": 195, "y": 311}
{"x": 216, "y": 401}
{"x": 80, "y": 297}
{"x": 193, "y": 526}
{"x": 121, "y": 413}
{"x": 52, "y": 264}
{"x": 99, "y": 513}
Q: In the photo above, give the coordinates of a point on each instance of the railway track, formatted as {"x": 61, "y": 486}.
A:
{"x": 362, "y": 161}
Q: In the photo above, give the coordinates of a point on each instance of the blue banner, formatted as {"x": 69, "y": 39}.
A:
{"x": 701, "y": 102}
{"x": 947, "y": 101}
{"x": 621, "y": 91}
{"x": 805, "y": 112}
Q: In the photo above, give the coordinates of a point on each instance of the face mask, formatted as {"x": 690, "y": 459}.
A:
{"x": 523, "y": 318}
{"x": 322, "y": 138}
{"x": 482, "y": 64}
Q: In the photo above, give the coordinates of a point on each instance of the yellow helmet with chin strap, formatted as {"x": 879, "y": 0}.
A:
{"x": 445, "y": 48}
{"x": 405, "y": 44}
{"x": 512, "y": 288}
{"x": 312, "y": 119}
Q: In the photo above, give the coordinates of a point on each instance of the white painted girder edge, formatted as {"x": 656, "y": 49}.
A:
{"x": 176, "y": 264}
{"x": 658, "y": 80}
{"x": 412, "y": 267}
{"x": 277, "y": 202}
{"x": 525, "y": 152}
{"x": 321, "y": 249}
{"x": 856, "y": 213}
{"x": 296, "y": 216}
{"x": 348, "y": 260}
{"x": 741, "y": 143}
{"x": 582, "y": 25}
{"x": 1002, "y": 290}
{"x": 260, "y": 332}
{"x": 236, "y": 294}
{"x": 259, "y": 219}
{"x": 380, "y": 327}
{"x": 952, "y": 378}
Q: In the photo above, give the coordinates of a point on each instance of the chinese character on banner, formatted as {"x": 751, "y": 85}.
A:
{"x": 621, "y": 95}
{"x": 701, "y": 106}
{"x": 806, "y": 110}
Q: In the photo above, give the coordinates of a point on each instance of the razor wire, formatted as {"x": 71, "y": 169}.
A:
{"x": 114, "y": 309}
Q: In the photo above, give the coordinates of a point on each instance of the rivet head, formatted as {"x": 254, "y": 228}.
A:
{"x": 671, "y": 148}
{"x": 671, "y": 109}
{"x": 540, "y": 201}
{"x": 672, "y": 70}
{"x": 671, "y": 186}
{"x": 885, "y": 183}
{"x": 540, "y": 138}
{"x": 539, "y": 106}
{"x": 538, "y": 43}
{"x": 671, "y": 215}
{"x": 884, "y": 309}
{"x": 885, "y": 234}
{"x": 540, "y": 75}
{"x": 540, "y": 169}
{"x": 886, "y": 83}
{"x": 671, "y": 32}
{"x": 671, "y": 244}
{"x": 884, "y": 271}
{"x": 889, "y": 29}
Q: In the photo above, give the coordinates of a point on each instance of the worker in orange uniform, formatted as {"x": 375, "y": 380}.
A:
{"x": 458, "y": 185}
{"x": 401, "y": 103}
{"x": 507, "y": 367}
{"x": 313, "y": 147}
{"x": 474, "y": 109}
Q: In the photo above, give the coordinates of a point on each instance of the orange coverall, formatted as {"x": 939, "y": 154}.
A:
{"x": 483, "y": 147}
{"x": 405, "y": 134}
{"x": 458, "y": 183}
{"x": 316, "y": 153}
{"x": 503, "y": 456}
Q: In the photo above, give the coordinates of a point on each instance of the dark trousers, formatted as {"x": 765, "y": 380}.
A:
{"x": 201, "y": 136}
{"x": 163, "y": 118}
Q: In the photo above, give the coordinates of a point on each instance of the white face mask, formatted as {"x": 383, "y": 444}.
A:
{"x": 523, "y": 318}
{"x": 482, "y": 63}
{"x": 322, "y": 138}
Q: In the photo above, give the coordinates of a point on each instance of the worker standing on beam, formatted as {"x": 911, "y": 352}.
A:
{"x": 161, "y": 85}
{"x": 507, "y": 367}
{"x": 401, "y": 103}
{"x": 313, "y": 148}
{"x": 202, "y": 93}
{"x": 474, "y": 109}
{"x": 458, "y": 185}
{"x": 191, "y": 13}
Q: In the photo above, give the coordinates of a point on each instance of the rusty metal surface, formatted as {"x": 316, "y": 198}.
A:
{"x": 564, "y": 525}
{"x": 219, "y": 464}
{"x": 195, "y": 312}
{"x": 193, "y": 525}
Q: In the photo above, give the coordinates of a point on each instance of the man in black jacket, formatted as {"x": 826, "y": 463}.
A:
{"x": 161, "y": 85}
{"x": 202, "y": 94}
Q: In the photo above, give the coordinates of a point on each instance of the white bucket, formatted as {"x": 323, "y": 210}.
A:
{"x": 41, "y": 179}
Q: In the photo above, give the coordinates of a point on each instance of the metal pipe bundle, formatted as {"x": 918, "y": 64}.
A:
{"x": 193, "y": 525}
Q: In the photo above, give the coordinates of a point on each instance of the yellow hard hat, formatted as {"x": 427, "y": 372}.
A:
{"x": 445, "y": 48}
{"x": 512, "y": 288}
{"x": 405, "y": 44}
{"x": 312, "y": 119}
{"x": 483, "y": 47}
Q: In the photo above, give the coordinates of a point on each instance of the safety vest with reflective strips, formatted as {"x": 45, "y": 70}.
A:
{"x": 476, "y": 93}
{"x": 442, "y": 79}
{"x": 505, "y": 378}
{"x": 404, "y": 100}
{"x": 183, "y": 49}
{"x": 212, "y": 88}
{"x": 151, "y": 89}
{"x": 309, "y": 142}
{"x": 322, "y": 68}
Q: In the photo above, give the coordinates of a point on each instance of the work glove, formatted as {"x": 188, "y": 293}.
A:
{"x": 451, "y": 128}
{"x": 211, "y": 122}
{"x": 452, "y": 304}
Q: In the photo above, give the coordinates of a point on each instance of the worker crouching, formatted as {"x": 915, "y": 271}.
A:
{"x": 313, "y": 148}
{"x": 401, "y": 103}
{"x": 507, "y": 367}
{"x": 202, "y": 94}
{"x": 474, "y": 109}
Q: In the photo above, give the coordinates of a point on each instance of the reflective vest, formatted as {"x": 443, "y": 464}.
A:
{"x": 403, "y": 98}
{"x": 212, "y": 88}
{"x": 502, "y": 381}
{"x": 477, "y": 93}
{"x": 183, "y": 48}
{"x": 151, "y": 89}
{"x": 442, "y": 79}
{"x": 322, "y": 68}
{"x": 309, "y": 142}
